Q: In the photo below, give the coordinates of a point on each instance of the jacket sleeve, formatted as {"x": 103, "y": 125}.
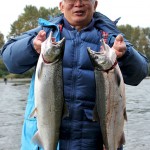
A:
{"x": 18, "y": 53}
{"x": 133, "y": 64}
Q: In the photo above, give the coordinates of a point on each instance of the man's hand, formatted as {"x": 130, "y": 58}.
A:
{"x": 41, "y": 37}
{"x": 119, "y": 46}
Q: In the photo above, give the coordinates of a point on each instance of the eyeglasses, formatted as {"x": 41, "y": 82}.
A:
{"x": 83, "y": 1}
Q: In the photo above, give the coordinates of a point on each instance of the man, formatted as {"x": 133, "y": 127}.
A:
{"x": 82, "y": 27}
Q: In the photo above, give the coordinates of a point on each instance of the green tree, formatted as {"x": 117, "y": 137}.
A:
{"x": 29, "y": 19}
{"x": 127, "y": 30}
{"x": 26, "y": 21}
{"x": 3, "y": 69}
{"x": 146, "y": 31}
{"x": 2, "y": 41}
{"x": 139, "y": 37}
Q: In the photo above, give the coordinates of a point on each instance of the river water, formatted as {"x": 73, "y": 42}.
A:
{"x": 13, "y": 97}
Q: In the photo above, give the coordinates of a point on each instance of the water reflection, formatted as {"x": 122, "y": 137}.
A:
{"x": 13, "y": 97}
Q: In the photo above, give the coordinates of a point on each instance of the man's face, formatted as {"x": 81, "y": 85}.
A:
{"x": 79, "y": 12}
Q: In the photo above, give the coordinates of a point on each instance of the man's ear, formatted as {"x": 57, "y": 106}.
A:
{"x": 61, "y": 6}
{"x": 95, "y": 5}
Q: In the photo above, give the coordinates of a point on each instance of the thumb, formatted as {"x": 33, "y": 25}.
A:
{"x": 41, "y": 36}
{"x": 119, "y": 38}
{"x": 119, "y": 46}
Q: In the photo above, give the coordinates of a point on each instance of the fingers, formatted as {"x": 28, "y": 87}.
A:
{"x": 41, "y": 37}
{"x": 119, "y": 42}
{"x": 119, "y": 38}
{"x": 119, "y": 46}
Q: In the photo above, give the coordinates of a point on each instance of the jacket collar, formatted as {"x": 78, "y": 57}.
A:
{"x": 69, "y": 27}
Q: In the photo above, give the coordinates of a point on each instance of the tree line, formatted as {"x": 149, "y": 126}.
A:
{"x": 139, "y": 37}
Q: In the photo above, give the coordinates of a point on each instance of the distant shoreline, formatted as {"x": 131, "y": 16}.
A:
{"x": 16, "y": 80}
{"x": 29, "y": 79}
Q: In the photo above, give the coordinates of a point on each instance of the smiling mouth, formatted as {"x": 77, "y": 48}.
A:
{"x": 79, "y": 13}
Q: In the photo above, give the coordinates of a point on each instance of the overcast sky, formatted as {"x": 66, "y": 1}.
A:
{"x": 133, "y": 12}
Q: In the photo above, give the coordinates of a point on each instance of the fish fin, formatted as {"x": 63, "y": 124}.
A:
{"x": 65, "y": 111}
{"x": 125, "y": 114}
{"x": 122, "y": 140}
{"x": 37, "y": 139}
{"x": 95, "y": 114}
{"x": 40, "y": 70}
{"x": 34, "y": 113}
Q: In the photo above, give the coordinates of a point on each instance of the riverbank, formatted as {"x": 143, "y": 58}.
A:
{"x": 147, "y": 77}
{"x": 11, "y": 80}
{"x": 16, "y": 80}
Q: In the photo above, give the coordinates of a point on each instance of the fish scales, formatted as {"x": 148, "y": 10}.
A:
{"x": 49, "y": 105}
{"x": 110, "y": 98}
{"x": 49, "y": 99}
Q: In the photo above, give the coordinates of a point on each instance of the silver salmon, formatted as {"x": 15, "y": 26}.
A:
{"x": 49, "y": 98}
{"x": 110, "y": 108}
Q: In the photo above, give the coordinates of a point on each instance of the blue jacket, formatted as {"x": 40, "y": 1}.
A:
{"x": 77, "y": 131}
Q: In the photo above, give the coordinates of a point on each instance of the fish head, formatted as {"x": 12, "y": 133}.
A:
{"x": 98, "y": 59}
{"x": 52, "y": 50}
{"x": 104, "y": 59}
